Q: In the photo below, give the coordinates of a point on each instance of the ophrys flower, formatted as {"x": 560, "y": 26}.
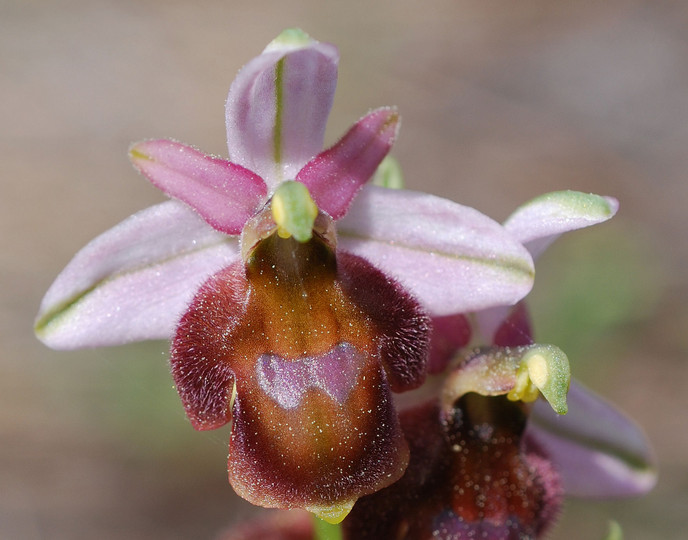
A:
{"x": 299, "y": 331}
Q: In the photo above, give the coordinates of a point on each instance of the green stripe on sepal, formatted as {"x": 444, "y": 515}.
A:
{"x": 279, "y": 107}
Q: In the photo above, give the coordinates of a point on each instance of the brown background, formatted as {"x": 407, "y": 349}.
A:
{"x": 500, "y": 101}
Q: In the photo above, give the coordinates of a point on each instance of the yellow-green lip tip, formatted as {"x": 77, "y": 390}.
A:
{"x": 332, "y": 514}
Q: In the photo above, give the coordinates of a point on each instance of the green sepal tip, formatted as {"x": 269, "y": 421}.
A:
{"x": 291, "y": 38}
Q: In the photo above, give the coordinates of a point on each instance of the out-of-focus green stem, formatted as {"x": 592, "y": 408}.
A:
{"x": 615, "y": 532}
{"x": 326, "y": 531}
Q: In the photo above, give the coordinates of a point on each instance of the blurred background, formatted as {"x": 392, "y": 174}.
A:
{"x": 501, "y": 101}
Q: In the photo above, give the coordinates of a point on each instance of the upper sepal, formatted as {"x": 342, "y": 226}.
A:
{"x": 134, "y": 281}
{"x": 278, "y": 106}
{"x": 537, "y": 224}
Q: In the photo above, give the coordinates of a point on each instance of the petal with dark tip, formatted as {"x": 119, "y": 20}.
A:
{"x": 134, "y": 281}
{"x": 598, "y": 449}
{"x": 335, "y": 176}
{"x": 278, "y": 105}
{"x": 223, "y": 193}
{"x": 452, "y": 258}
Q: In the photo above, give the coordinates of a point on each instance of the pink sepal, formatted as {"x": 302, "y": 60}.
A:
{"x": 451, "y": 257}
{"x": 598, "y": 450}
{"x": 134, "y": 281}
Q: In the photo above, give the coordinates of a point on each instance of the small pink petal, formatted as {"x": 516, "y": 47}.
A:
{"x": 505, "y": 326}
{"x": 539, "y": 222}
{"x": 134, "y": 281}
{"x": 277, "y": 109}
{"x": 335, "y": 176}
{"x": 451, "y": 257}
{"x": 598, "y": 450}
{"x": 516, "y": 329}
{"x": 448, "y": 335}
{"x": 223, "y": 193}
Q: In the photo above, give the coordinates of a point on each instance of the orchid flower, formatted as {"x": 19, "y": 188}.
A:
{"x": 292, "y": 327}
{"x": 599, "y": 451}
{"x": 488, "y": 459}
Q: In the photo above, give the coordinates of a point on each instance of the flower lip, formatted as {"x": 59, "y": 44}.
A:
{"x": 314, "y": 346}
